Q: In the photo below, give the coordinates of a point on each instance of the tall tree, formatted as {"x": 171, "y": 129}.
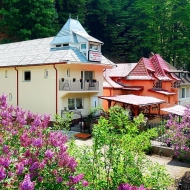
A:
{"x": 75, "y": 9}
{"x": 29, "y": 19}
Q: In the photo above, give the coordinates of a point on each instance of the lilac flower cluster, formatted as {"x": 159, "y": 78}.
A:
{"x": 31, "y": 154}
{"x": 129, "y": 187}
{"x": 179, "y": 133}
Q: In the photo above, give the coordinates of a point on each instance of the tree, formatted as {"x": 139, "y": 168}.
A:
{"x": 117, "y": 154}
{"x": 75, "y": 9}
{"x": 23, "y": 20}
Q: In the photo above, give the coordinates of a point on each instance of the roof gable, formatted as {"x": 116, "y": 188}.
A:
{"x": 160, "y": 67}
{"x": 139, "y": 71}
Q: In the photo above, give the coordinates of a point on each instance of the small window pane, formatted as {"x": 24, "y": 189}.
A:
{"x": 93, "y": 47}
{"x": 183, "y": 93}
{"x": 46, "y": 73}
{"x": 83, "y": 46}
{"x": 10, "y": 96}
{"x": 88, "y": 75}
{"x": 68, "y": 72}
{"x": 27, "y": 76}
{"x": 79, "y": 104}
{"x": 71, "y": 103}
{"x": 6, "y": 74}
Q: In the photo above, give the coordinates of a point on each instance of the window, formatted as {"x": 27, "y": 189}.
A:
{"x": 68, "y": 72}
{"x": 79, "y": 103}
{"x": 83, "y": 46}
{"x": 6, "y": 76}
{"x": 75, "y": 103}
{"x": 183, "y": 90}
{"x": 93, "y": 47}
{"x": 45, "y": 73}
{"x": 27, "y": 76}
{"x": 88, "y": 75}
{"x": 58, "y": 45}
{"x": 10, "y": 96}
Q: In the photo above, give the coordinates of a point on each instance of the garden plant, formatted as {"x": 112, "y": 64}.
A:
{"x": 32, "y": 156}
{"x": 117, "y": 159}
{"x": 179, "y": 134}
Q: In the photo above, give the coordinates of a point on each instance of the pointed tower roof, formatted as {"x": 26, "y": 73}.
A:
{"x": 68, "y": 33}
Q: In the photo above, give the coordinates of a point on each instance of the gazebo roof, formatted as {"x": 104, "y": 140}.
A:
{"x": 134, "y": 99}
{"x": 177, "y": 109}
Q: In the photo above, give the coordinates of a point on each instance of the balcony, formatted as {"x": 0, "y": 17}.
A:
{"x": 77, "y": 85}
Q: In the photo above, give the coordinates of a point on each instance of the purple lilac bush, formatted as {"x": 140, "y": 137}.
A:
{"x": 126, "y": 186}
{"x": 179, "y": 133}
{"x": 31, "y": 155}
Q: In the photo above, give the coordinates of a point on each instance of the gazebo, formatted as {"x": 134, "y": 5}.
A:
{"x": 136, "y": 103}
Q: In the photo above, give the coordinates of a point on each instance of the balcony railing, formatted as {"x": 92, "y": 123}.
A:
{"x": 77, "y": 85}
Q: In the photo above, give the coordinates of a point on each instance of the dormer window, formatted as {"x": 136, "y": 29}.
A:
{"x": 83, "y": 46}
{"x": 61, "y": 45}
{"x": 93, "y": 47}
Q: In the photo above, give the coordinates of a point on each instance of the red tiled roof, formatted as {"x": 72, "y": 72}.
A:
{"x": 148, "y": 64}
{"x": 159, "y": 65}
{"x": 139, "y": 70}
{"x": 134, "y": 99}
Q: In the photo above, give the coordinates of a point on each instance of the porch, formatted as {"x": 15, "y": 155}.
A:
{"x": 78, "y": 85}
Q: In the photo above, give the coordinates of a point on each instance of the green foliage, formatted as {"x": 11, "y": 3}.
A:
{"x": 23, "y": 20}
{"x": 73, "y": 8}
{"x": 117, "y": 154}
{"x": 63, "y": 123}
{"x": 129, "y": 29}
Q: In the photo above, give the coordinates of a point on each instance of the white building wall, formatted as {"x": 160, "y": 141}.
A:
{"x": 8, "y": 84}
{"x": 38, "y": 95}
{"x": 186, "y": 100}
{"x": 75, "y": 72}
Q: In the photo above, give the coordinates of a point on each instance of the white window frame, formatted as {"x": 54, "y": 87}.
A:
{"x": 24, "y": 76}
{"x": 10, "y": 96}
{"x": 6, "y": 74}
{"x": 75, "y": 103}
{"x": 183, "y": 88}
{"x": 45, "y": 73}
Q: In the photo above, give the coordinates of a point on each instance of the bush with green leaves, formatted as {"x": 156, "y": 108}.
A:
{"x": 63, "y": 123}
{"x": 117, "y": 154}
